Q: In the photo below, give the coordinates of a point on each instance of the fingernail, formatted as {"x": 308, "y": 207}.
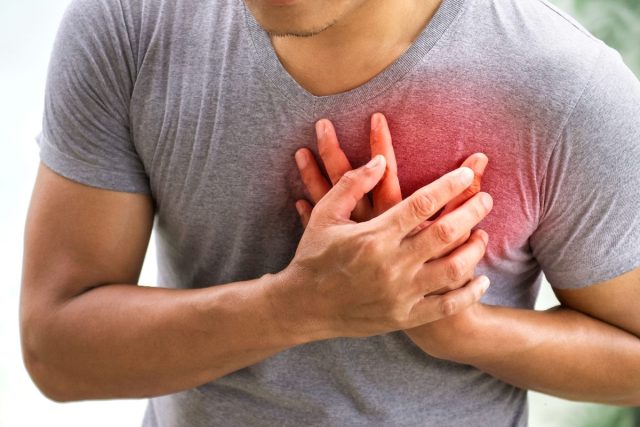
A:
{"x": 375, "y": 162}
{"x": 486, "y": 201}
{"x": 375, "y": 121}
{"x": 321, "y": 128}
{"x": 484, "y": 283}
{"x": 301, "y": 159}
{"x": 299, "y": 207}
{"x": 465, "y": 174}
{"x": 480, "y": 161}
{"x": 485, "y": 237}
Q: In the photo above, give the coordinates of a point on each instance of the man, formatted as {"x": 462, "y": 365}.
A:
{"x": 190, "y": 113}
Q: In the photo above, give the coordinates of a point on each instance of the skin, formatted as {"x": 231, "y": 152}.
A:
{"x": 587, "y": 349}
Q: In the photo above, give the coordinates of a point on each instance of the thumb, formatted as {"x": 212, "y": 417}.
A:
{"x": 342, "y": 199}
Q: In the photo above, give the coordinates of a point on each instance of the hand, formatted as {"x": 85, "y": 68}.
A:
{"x": 359, "y": 279}
{"x": 384, "y": 195}
{"x": 387, "y": 192}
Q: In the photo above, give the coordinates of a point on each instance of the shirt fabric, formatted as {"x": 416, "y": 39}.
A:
{"x": 186, "y": 100}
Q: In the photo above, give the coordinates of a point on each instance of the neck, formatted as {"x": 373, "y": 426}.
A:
{"x": 356, "y": 48}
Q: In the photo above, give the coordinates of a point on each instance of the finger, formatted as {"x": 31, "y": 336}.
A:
{"x": 437, "y": 239}
{"x": 304, "y": 209}
{"x": 451, "y": 272}
{"x": 477, "y": 163}
{"x": 312, "y": 177}
{"x": 435, "y": 307}
{"x": 402, "y": 218}
{"x": 387, "y": 193}
{"x": 337, "y": 164}
{"x": 341, "y": 200}
{"x": 335, "y": 161}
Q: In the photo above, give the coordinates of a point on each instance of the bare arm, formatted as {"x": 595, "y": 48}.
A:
{"x": 587, "y": 349}
{"x": 88, "y": 332}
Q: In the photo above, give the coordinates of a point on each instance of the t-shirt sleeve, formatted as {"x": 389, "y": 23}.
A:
{"x": 589, "y": 230}
{"x": 85, "y": 132}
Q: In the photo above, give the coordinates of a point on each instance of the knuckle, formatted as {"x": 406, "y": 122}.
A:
{"x": 461, "y": 240}
{"x": 305, "y": 175}
{"x": 369, "y": 244}
{"x": 452, "y": 186}
{"x": 398, "y": 316}
{"x": 384, "y": 274}
{"x": 456, "y": 269}
{"x": 388, "y": 273}
{"x": 349, "y": 175}
{"x": 423, "y": 205}
{"x": 370, "y": 247}
{"x": 448, "y": 306}
{"x": 324, "y": 151}
{"x": 479, "y": 211}
{"x": 445, "y": 232}
{"x": 348, "y": 179}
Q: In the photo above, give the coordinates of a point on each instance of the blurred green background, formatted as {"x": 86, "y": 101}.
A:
{"x": 616, "y": 22}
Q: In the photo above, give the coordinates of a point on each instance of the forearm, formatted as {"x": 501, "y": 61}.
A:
{"x": 129, "y": 341}
{"x": 559, "y": 352}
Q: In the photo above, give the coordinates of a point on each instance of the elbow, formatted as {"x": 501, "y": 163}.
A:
{"x": 40, "y": 368}
{"x": 41, "y": 376}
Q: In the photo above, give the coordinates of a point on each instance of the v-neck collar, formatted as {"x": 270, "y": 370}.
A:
{"x": 314, "y": 106}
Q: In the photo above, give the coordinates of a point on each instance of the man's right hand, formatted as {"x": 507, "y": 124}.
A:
{"x": 368, "y": 278}
{"x": 89, "y": 332}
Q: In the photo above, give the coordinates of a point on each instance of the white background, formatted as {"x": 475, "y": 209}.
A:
{"x": 27, "y": 30}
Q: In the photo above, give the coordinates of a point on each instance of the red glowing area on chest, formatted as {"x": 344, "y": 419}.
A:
{"x": 431, "y": 139}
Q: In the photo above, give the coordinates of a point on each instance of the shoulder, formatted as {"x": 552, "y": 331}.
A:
{"x": 128, "y": 28}
{"x": 547, "y": 63}
{"x": 537, "y": 49}
{"x": 537, "y": 24}
{"x": 93, "y": 26}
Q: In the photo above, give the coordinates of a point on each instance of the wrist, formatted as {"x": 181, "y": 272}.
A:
{"x": 296, "y": 317}
{"x": 472, "y": 334}
{"x": 459, "y": 338}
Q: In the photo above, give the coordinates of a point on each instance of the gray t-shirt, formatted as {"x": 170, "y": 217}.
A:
{"x": 186, "y": 100}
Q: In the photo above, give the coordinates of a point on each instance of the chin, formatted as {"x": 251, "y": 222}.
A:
{"x": 299, "y": 18}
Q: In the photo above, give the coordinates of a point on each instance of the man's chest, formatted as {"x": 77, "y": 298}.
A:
{"x": 217, "y": 146}
{"x": 202, "y": 154}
